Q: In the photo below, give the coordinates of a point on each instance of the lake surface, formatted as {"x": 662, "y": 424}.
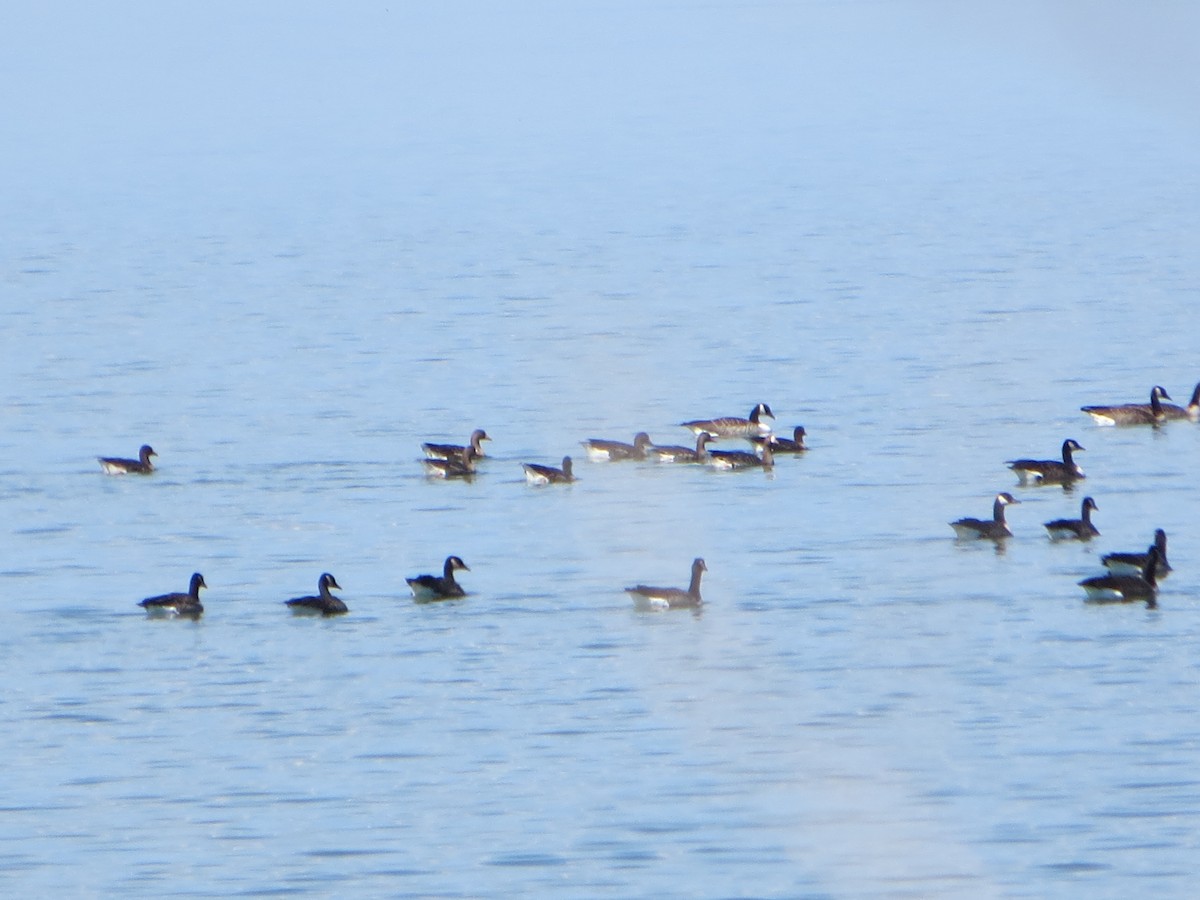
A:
{"x": 285, "y": 253}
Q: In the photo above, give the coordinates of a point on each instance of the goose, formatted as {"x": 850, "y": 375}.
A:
{"x": 1134, "y": 563}
{"x": 536, "y": 474}
{"x": 1132, "y": 413}
{"x": 600, "y": 450}
{"x": 795, "y": 444}
{"x": 1050, "y": 471}
{"x": 995, "y": 528}
{"x": 455, "y": 451}
{"x": 178, "y": 604}
{"x": 1173, "y": 413}
{"x": 741, "y": 459}
{"x": 432, "y": 587}
{"x": 115, "y": 465}
{"x": 684, "y": 454}
{"x": 732, "y": 426}
{"x": 324, "y": 604}
{"x": 1080, "y": 529}
{"x": 1117, "y": 588}
{"x": 461, "y": 466}
{"x": 671, "y": 597}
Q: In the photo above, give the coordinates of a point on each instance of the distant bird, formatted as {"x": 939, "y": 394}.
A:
{"x": 431, "y": 587}
{"x": 455, "y": 451}
{"x": 684, "y": 454}
{"x": 1115, "y": 588}
{"x": 324, "y": 604}
{"x": 600, "y": 450}
{"x": 115, "y": 465}
{"x": 1132, "y": 413}
{"x": 671, "y": 597}
{"x": 1135, "y": 563}
{"x": 795, "y": 444}
{"x": 1080, "y": 529}
{"x": 994, "y": 529}
{"x": 732, "y": 426}
{"x": 741, "y": 459}
{"x": 1050, "y": 471}
{"x": 461, "y": 466}
{"x": 1173, "y": 413}
{"x": 184, "y": 605}
{"x": 536, "y": 474}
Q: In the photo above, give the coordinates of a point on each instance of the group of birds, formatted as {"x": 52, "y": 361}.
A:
{"x": 424, "y": 587}
{"x": 1129, "y": 576}
{"x": 459, "y": 461}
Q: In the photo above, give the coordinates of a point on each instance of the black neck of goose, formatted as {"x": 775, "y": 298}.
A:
{"x": 448, "y": 570}
{"x": 1155, "y": 403}
{"x": 1068, "y": 455}
{"x": 1086, "y": 513}
{"x": 694, "y": 585}
{"x": 1195, "y": 401}
{"x": 998, "y": 511}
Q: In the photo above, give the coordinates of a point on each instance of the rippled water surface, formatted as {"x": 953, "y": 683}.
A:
{"x": 286, "y": 265}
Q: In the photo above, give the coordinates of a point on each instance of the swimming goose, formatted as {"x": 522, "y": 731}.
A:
{"x": 455, "y": 451}
{"x": 732, "y": 426}
{"x": 995, "y": 528}
{"x": 1114, "y": 588}
{"x": 461, "y": 466}
{"x": 671, "y": 597}
{"x": 431, "y": 587}
{"x": 1050, "y": 471}
{"x": 115, "y": 465}
{"x": 741, "y": 459}
{"x": 324, "y": 604}
{"x": 1080, "y": 529}
{"x": 187, "y": 605}
{"x": 1135, "y": 563}
{"x": 1132, "y": 413}
{"x": 536, "y": 474}
{"x": 600, "y": 450}
{"x": 784, "y": 445}
{"x": 1173, "y": 413}
{"x": 684, "y": 454}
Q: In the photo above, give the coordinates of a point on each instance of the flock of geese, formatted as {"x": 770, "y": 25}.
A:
{"x": 1129, "y": 576}
{"x": 460, "y": 461}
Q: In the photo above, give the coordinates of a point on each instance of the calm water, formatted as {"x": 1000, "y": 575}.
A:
{"x": 286, "y": 267}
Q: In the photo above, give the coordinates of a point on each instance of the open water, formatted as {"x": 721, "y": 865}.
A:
{"x": 284, "y": 246}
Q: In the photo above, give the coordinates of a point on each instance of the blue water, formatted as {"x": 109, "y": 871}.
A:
{"x": 286, "y": 246}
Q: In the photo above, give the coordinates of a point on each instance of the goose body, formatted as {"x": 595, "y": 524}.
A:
{"x": 741, "y": 459}
{"x": 460, "y": 466}
{"x": 1050, "y": 471}
{"x": 433, "y": 587}
{"x": 684, "y": 454}
{"x": 732, "y": 426}
{"x": 536, "y": 474}
{"x": 323, "y": 604}
{"x": 455, "y": 451}
{"x": 178, "y": 604}
{"x": 671, "y": 597}
{"x": 115, "y": 465}
{"x": 1121, "y": 588}
{"x": 794, "y": 444}
{"x": 1132, "y": 413}
{"x": 994, "y": 529}
{"x": 1080, "y": 529}
{"x": 601, "y": 450}
{"x": 1135, "y": 563}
